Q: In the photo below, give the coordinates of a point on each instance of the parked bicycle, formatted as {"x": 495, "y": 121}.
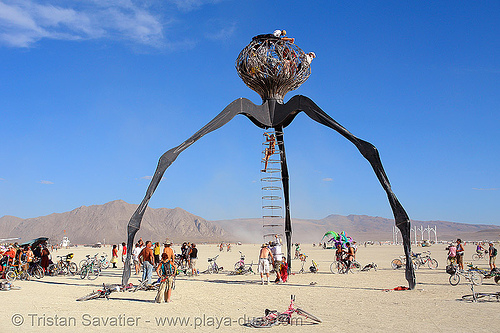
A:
{"x": 423, "y": 258}
{"x": 273, "y": 318}
{"x": 212, "y": 266}
{"x": 368, "y": 267}
{"x": 241, "y": 268}
{"x": 64, "y": 265}
{"x": 486, "y": 274}
{"x": 401, "y": 262}
{"x": 90, "y": 270}
{"x": 143, "y": 285}
{"x": 16, "y": 272}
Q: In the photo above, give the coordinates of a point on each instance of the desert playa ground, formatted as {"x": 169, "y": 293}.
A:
{"x": 221, "y": 302}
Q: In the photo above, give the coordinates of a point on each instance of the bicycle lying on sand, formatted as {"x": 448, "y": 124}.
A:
{"x": 241, "y": 268}
{"x": 273, "y": 318}
{"x": 105, "y": 291}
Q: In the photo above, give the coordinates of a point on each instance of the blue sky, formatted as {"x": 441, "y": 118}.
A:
{"x": 93, "y": 92}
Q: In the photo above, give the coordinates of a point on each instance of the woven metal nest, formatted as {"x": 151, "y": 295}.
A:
{"x": 272, "y": 67}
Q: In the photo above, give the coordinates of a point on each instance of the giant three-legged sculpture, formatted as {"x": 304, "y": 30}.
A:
{"x": 272, "y": 67}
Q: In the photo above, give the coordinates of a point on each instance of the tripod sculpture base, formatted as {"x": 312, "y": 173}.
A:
{"x": 274, "y": 113}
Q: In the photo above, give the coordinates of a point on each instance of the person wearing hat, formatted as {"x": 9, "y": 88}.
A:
{"x": 168, "y": 250}
{"x": 493, "y": 255}
{"x": 166, "y": 271}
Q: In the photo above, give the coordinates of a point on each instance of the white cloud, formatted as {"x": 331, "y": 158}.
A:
{"x": 222, "y": 33}
{"x": 327, "y": 179}
{"x": 24, "y": 22}
{"x": 46, "y": 182}
{"x": 485, "y": 189}
{"x": 188, "y": 5}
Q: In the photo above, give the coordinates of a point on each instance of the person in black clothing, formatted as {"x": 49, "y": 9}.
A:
{"x": 193, "y": 256}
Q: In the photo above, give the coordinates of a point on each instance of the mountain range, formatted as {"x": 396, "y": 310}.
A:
{"x": 108, "y": 223}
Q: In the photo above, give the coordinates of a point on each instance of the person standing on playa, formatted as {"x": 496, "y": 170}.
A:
{"x": 460, "y": 254}
{"x": 168, "y": 250}
{"x": 166, "y": 271}
{"x": 278, "y": 257}
{"x": 193, "y": 256}
{"x": 135, "y": 257}
{"x": 114, "y": 255}
{"x": 157, "y": 251}
{"x": 124, "y": 252}
{"x": 452, "y": 254}
{"x": 493, "y": 256}
{"x": 264, "y": 255}
{"x": 148, "y": 260}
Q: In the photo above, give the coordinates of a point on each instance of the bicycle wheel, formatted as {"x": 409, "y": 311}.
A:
{"x": 284, "y": 318}
{"x": 83, "y": 272}
{"x": 308, "y": 315}
{"x": 105, "y": 264}
{"x": 94, "y": 273}
{"x": 333, "y": 267}
{"x": 73, "y": 268}
{"x": 476, "y": 278}
{"x": 24, "y": 276}
{"x": 454, "y": 279}
{"x": 475, "y": 256}
{"x": 52, "y": 270}
{"x": 92, "y": 295}
{"x": 11, "y": 276}
{"x": 432, "y": 263}
{"x": 497, "y": 279}
{"x": 355, "y": 265}
{"x": 82, "y": 263}
{"x": 260, "y": 322}
{"x": 37, "y": 272}
{"x": 396, "y": 264}
{"x": 239, "y": 266}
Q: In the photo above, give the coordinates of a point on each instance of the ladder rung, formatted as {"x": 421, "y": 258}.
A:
{"x": 270, "y": 179}
{"x": 271, "y": 197}
{"x": 273, "y": 216}
{"x": 271, "y": 188}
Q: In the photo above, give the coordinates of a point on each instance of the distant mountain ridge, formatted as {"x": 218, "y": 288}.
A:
{"x": 108, "y": 222}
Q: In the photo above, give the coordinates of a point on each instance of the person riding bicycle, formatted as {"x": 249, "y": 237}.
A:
{"x": 350, "y": 255}
{"x": 479, "y": 248}
{"x": 166, "y": 271}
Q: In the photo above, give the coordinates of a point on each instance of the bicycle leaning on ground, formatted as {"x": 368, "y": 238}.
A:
{"x": 423, "y": 258}
{"x": 273, "y": 318}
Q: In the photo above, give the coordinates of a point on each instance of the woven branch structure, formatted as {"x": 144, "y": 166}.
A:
{"x": 272, "y": 67}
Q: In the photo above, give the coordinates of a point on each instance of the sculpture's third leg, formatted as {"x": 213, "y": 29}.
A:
{"x": 286, "y": 195}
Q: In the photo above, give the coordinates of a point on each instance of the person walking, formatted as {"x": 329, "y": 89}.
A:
{"x": 135, "y": 257}
{"x": 166, "y": 271}
{"x": 157, "y": 252}
{"x": 492, "y": 251}
{"x": 147, "y": 259}
{"x": 124, "y": 252}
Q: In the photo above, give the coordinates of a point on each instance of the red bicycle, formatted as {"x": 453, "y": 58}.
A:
{"x": 273, "y": 318}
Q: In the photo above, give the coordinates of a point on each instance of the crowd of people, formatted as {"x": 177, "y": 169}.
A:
{"x": 456, "y": 253}
{"x": 24, "y": 256}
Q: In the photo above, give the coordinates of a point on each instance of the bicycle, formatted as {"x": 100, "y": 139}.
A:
{"x": 35, "y": 270}
{"x": 212, "y": 266}
{"x": 314, "y": 267}
{"x": 480, "y": 255}
{"x": 65, "y": 266}
{"x": 401, "y": 262}
{"x": 273, "y": 318}
{"x": 105, "y": 291}
{"x": 340, "y": 266}
{"x": 143, "y": 285}
{"x": 182, "y": 265}
{"x": 420, "y": 260}
{"x": 456, "y": 274}
{"x": 495, "y": 273}
{"x": 241, "y": 268}
{"x": 90, "y": 271}
{"x": 16, "y": 272}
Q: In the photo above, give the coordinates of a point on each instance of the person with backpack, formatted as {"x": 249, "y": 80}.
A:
{"x": 492, "y": 251}
{"x": 166, "y": 271}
